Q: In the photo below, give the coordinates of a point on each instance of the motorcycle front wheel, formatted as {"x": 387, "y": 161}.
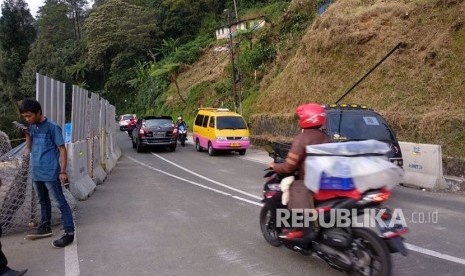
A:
{"x": 268, "y": 226}
{"x": 370, "y": 255}
{"x": 183, "y": 141}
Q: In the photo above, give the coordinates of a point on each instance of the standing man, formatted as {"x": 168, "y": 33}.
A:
{"x": 44, "y": 140}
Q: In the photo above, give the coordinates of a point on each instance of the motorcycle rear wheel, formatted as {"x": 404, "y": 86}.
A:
{"x": 368, "y": 243}
{"x": 268, "y": 227}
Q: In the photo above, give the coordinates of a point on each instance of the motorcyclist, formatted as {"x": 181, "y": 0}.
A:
{"x": 312, "y": 118}
{"x": 181, "y": 122}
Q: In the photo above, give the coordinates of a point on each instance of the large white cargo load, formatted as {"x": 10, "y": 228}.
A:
{"x": 360, "y": 165}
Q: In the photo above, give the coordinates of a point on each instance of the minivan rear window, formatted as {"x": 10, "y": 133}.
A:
{"x": 230, "y": 122}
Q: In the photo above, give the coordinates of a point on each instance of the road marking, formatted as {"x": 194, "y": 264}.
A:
{"x": 177, "y": 177}
{"x": 249, "y": 201}
{"x": 71, "y": 258}
{"x": 208, "y": 179}
{"x": 435, "y": 254}
{"x": 409, "y": 246}
{"x": 255, "y": 160}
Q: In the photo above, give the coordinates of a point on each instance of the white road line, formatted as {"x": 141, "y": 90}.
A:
{"x": 177, "y": 177}
{"x": 435, "y": 254}
{"x": 208, "y": 179}
{"x": 256, "y": 160}
{"x": 249, "y": 201}
{"x": 409, "y": 246}
{"x": 71, "y": 258}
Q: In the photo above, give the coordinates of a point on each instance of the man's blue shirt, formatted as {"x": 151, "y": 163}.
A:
{"x": 46, "y": 137}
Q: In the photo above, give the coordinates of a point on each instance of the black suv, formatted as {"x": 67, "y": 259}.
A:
{"x": 351, "y": 122}
{"x": 154, "y": 131}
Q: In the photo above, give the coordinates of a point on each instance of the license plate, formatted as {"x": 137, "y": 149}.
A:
{"x": 235, "y": 145}
{"x": 159, "y": 134}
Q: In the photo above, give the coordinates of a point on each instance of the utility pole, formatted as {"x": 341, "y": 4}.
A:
{"x": 235, "y": 10}
{"x": 231, "y": 50}
{"x": 239, "y": 75}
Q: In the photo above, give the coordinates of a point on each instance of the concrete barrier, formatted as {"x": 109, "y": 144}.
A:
{"x": 116, "y": 150}
{"x": 81, "y": 185}
{"x": 423, "y": 165}
{"x": 110, "y": 160}
{"x": 113, "y": 152}
{"x": 96, "y": 171}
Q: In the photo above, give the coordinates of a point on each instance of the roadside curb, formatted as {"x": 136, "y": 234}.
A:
{"x": 455, "y": 184}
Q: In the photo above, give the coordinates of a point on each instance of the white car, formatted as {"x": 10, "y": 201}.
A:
{"x": 124, "y": 120}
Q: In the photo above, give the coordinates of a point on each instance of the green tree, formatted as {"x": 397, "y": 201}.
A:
{"x": 115, "y": 27}
{"x": 183, "y": 18}
{"x": 16, "y": 35}
{"x": 55, "y": 49}
{"x": 77, "y": 10}
{"x": 118, "y": 34}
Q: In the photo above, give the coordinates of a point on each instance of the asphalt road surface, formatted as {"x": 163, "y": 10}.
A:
{"x": 186, "y": 213}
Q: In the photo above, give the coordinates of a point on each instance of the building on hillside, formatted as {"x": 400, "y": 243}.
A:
{"x": 243, "y": 25}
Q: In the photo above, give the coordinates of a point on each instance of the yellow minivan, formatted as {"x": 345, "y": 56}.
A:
{"x": 218, "y": 129}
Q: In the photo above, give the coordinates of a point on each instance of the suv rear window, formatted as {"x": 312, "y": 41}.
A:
{"x": 230, "y": 122}
{"x": 359, "y": 126}
{"x": 128, "y": 117}
{"x": 158, "y": 123}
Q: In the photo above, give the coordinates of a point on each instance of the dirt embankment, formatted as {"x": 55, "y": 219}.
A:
{"x": 419, "y": 89}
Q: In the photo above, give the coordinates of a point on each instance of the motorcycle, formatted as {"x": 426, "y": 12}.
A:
{"x": 356, "y": 250}
{"x": 182, "y": 134}
{"x": 131, "y": 126}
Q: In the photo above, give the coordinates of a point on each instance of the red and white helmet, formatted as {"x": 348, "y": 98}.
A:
{"x": 311, "y": 115}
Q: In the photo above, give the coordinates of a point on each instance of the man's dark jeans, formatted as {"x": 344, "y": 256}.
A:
{"x": 43, "y": 189}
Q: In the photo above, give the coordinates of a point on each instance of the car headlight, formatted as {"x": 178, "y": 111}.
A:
{"x": 245, "y": 138}
{"x": 221, "y": 139}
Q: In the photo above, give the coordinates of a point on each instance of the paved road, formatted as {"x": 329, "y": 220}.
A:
{"x": 185, "y": 213}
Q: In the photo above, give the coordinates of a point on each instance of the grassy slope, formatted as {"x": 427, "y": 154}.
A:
{"x": 419, "y": 88}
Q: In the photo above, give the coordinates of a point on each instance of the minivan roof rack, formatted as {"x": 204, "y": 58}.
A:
{"x": 215, "y": 109}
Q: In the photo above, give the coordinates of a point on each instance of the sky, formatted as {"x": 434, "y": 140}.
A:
{"x": 34, "y": 6}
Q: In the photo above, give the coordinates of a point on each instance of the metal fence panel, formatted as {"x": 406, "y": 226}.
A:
{"x": 50, "y": 94}
{"x": 78, "y": 114}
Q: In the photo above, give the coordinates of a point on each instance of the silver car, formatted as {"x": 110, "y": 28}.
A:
{"x": 124, "y": 120}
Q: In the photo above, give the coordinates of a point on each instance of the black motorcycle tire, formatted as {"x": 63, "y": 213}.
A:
{"x": 270, "y": 234}
{"x": 377, "y": 248}
{"x": 183, "y": 141}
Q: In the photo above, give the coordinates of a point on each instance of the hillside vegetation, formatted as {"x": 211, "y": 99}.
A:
{"x": 420, "y": 88}
{"x": 161, "y": 57}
